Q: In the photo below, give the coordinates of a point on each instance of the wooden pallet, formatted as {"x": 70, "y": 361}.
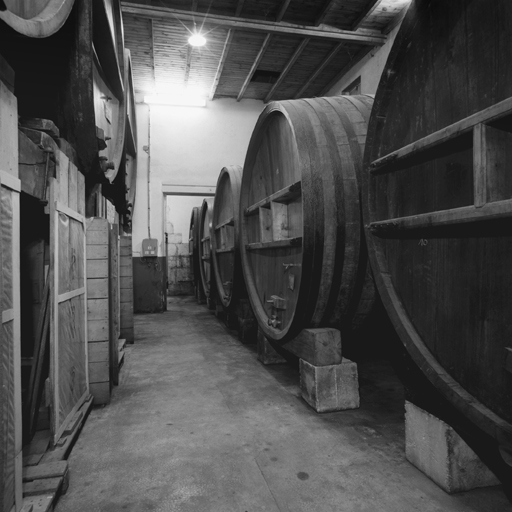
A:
{"x": 45, "y": 471}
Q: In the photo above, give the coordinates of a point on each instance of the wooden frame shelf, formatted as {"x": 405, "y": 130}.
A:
{"x": 284, "y": 195}
{"x": 452, "y": 138}
{"x": 227, "y": 222}
{"x": 225, "y": 250}
{"x": 286, "y": 242}
{"x": 463, "y": 215}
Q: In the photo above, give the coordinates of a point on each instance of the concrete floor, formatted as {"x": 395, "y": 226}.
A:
{"x": 198, "y": 424}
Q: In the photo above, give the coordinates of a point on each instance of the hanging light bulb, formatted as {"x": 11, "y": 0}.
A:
{"x": 196, "y": 39}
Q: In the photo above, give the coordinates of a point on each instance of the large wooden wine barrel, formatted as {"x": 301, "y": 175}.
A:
{"x": 36, "y": 18}
{"x": 205, "y": 247}
{"x": 225, "y": 237}
{"x": 439, "y": 201}
{"x": 75, "y": 78}
{"x": 302, "y": 243}
{"x": 193, "y": 249}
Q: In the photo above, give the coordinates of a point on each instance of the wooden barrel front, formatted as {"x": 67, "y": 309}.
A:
{"x": 439, "y": 201}
{"x": 302, "y": 247}
{"x": 193, "y": 249}
{"x": 36, "y": 18}
{"x": 73, "y": 78}
{"x": 205, "y": 246}
{"x": 225, "y": 236}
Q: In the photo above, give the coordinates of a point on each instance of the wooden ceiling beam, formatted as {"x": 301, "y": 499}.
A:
{"x": 188, "y": 62}
{"x": 324, "y": 12}
{"x": 254, "y": 66}
{"x": 370, "y": 6}
{"x": 287, "y": 68}
{"x": 319, "y": 69}
{"x": 369, "y": 37}
{"x": 262, "y": 51}
{"x": 222, "y": 61}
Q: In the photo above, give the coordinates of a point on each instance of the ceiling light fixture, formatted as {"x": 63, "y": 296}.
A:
{"x": 196, "y": 40}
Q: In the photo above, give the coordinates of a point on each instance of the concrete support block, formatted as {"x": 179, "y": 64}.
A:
{"x": 436, "y": 449}
{"x": 266, "y": 353}
{"x": 330, "y": 388}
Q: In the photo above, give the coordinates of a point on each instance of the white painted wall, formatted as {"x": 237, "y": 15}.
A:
{"x": 369, "y": 69}
{"x": 188, "y": 146}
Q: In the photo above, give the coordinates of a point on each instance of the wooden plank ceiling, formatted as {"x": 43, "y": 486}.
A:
{"x": 259, "y": 49}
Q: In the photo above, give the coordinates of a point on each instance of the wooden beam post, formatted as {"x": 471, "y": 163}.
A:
{"x": 263, "y": 48}
{"x": 255, "y": 64}
{"x": 370, "y": 6}
{"x": 324, "y": 12}
{"x": 287, "y": 68}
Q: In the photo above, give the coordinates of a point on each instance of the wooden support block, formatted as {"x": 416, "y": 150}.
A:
{"x": 97, "y": 309}
{"x": 101, "y": 392}
{"x": 97, "y": 269}
{"x": 97, "y": 288}
{"x": 266, "y": 353}
{"x": 46, "y": 470}
{"x": 41, "y": 503}
{"x": 97, "y": 237}
{"x": 126, "y": 296}
{"x": 436, "y": 449}
{"x": 32, "y": 460}
{"x": 126, "y": 283}
{"x": 44, "y": 486}
{"x": 97, "y": 330}
{"x": 97, "y": 252}
{"x": 330, "y": 388}
{"x": 125, "y": 271}
{"x": 319, "y": 347}
{"x": 27, "y": 507}
{"x": 98, "y": 351}
{"x": 99, "y": 372}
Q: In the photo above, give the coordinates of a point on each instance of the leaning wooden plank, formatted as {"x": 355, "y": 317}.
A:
{"x": 39, "y": 443}
{"x": 66, "y": 443}
{"x": 44, "y": 486}
{"x": 45, "y": 470}
{"x": 35, "y": 389}
{"x": 32, "y": 460}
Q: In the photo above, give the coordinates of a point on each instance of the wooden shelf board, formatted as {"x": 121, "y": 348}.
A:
{"x": 391, "y": 162}
{"x": 281, "y": 196}
{"x": 462, "y": 215}
{"x": 227, "y": 222}
{"x": 274, "y": 244}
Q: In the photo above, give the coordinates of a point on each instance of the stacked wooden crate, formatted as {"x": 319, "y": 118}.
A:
{"x": 98, "y": 309}
{"x": 10, "y": 360}
{"x": 126, "y": 288}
